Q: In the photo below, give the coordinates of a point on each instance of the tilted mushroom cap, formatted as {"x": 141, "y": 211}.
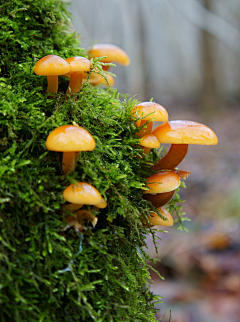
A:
{"x": 51, "y": 65}
{"x": 163, "y": 181}
{"x": 82, "y": 193}
{"x": 70, "y": 138}
{"x": 185, "y": 132}
{"x": 113, "y": 53}
{"x": 157, "y": 112}
{"x": 154, "y": 219}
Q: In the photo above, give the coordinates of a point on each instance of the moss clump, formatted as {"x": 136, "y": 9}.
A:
{"x": 47, "y": 274}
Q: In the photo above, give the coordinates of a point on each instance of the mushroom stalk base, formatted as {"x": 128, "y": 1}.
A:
{"x": 52, "y": 84}
{"x": 174, "y": 156}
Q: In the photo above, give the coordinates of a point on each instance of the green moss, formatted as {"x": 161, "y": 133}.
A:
{"x": 47, "y": 274}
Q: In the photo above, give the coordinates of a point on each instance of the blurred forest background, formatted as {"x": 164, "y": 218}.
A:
{"x": 186, "y": 56}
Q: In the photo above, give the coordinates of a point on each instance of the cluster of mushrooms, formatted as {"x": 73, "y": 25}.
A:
{"x": 180, "y": 133}
{"x": 78, "y": 69}
{"x": 72, "y": 139}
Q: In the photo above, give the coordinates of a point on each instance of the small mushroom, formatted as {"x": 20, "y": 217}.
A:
{"x": 148, "y": 112}
{"x": 156, "y": 220}
{"x": 163, "y": 181}
{"x": 70, "y": 139}
{"x": 82, "y": 193}
{"x": 180, "y": 134}
{"x": 79, "y": 71}
{"x": 162, "y": 198}
{"x": 150, "y": 141}
{"x": 52, "y": 66}
{"x": 114, "y": 54}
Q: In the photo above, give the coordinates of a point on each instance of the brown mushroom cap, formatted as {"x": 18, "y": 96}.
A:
{"x": 113, "y": 53}
{"x": 51, "y": 65}
{"x": 163, "y": 181}
{"x": 154, "y": 219}
{"x": 70, "y": 138}
{"x": 82, "y": 193}
{"x": 185, "y": 132}
{"x": 150, "y": 111}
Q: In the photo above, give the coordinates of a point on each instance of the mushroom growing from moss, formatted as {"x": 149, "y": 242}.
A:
{"x": 156, "y": 220}
{"x": 180, "y": 134}
{"x": 167, "y": 181}
{"x": 52, "y": 66}
{"x": 114, "y": 54}
{"x": 79, "y": 71}
{"x": 82, "y": 193}
{"x": 163, "y": 181}
{"x": 149, "y": 112}
{"x": 70, "y": 139}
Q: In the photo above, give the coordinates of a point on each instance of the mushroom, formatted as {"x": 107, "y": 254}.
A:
{"x": 149, "y": 111}
{"x": 79, "y": 71}
{"x": 70, "y": 139}
{"x": 179, "y": 134}
{"x": 163, "y": 181}
{"x": 114, "y": 54}
{"x": 82, "y": 193}
{"x": 156, "y": 220}
{"x": 167, "y": 181}
{"x": 51, "y": 66}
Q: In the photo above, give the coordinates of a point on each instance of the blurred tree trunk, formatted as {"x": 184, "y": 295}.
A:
{"x": 209, "y": 94}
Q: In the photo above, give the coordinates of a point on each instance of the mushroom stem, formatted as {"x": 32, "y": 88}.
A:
{"x": 75, "y": 83}
{"x": 159, "y": 199}
{"x": 52, "y": 84}
{"x": 174, "y": 156}
{"x": 69, "y": 161}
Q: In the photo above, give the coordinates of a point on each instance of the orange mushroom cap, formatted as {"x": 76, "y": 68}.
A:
{"x": 113, "y": 53}
{"x": 102, "y": 204}
{"x": 185, "y": 132}
{"x": 150, "y": 141}
{"x": 154, "y": 219}
{"x": 163, "y": 181}
{"x": 51, "y": 65}
{"x": 82, "y": 193}
{"x": 70, "y": 138}
{"x": 150, "y": 111}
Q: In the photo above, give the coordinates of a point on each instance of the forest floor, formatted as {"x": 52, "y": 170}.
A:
{"x": 202, "y": 267}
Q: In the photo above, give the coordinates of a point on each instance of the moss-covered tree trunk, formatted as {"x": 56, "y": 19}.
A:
{"x": 48, "y": 273}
